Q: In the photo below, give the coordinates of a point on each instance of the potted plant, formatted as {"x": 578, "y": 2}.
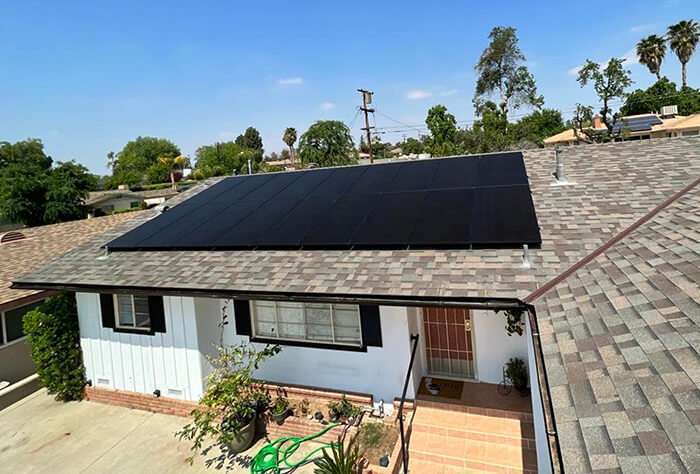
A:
{"x": 341, "y": 459}
{"x": 232, "y": 402}
{"x": 280, "y": 410}
{"x": 343, "y": 411}
{"x": 517, "y": 373}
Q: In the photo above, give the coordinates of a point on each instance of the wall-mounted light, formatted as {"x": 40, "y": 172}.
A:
{"x": 156, "y": 393}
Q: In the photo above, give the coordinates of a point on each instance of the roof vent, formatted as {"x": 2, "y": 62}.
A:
{"x": 559, "y": 170}
{"x": 11, "y": 236}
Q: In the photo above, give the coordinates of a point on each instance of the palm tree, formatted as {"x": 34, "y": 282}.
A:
{"x": 173, "y": 163}
{"x": 651, "y": 51}
{"x": 289, "y": 137}
{"x": 683, "y": 38}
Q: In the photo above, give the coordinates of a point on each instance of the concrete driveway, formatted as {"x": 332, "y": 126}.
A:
{"x": 38, "y": 434}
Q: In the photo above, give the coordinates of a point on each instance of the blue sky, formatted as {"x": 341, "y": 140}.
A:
{"x": 86, "y": 77}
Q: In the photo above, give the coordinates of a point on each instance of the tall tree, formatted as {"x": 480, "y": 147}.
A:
{"x": 138, "y": 161}
{"x": 33, "y": 193}
{"x": 222, "y": 159}
{"x": 683, "y": 38}
{"x": 501, "y": 70}
{"x": 651, "y": 51}
{"x": 250, "y": 139}
{"x": 290, "y": 137}
{"x": 663, "y": 92}
{"x": 609, "y": 83}
{"x": 327, "y": 143}
{"x": 67, "y": 187}
{"x": 443, "y": 131}
{"x": 537, "y": 126}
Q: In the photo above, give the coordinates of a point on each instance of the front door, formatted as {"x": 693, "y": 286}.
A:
{"x": 448, "y": 342}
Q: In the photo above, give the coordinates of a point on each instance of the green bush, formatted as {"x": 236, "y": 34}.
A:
{"x": 54, "y": 337}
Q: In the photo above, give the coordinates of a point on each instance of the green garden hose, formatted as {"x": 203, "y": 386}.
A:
{"x": 275, "y": 456}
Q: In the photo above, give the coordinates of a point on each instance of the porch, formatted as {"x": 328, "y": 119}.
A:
{"x": 472, "y": 427}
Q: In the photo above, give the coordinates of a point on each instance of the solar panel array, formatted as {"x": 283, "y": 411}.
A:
{"x": 637, "y": 124}
{"x": 463, "y": 202}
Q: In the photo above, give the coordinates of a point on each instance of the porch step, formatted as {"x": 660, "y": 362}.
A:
{"x": 452, "y": 439}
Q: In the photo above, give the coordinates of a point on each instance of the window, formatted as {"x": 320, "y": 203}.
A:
{"x": 309, "y": 322}
{"x": 132, "y": 312}
{"x": 11, "y": 322}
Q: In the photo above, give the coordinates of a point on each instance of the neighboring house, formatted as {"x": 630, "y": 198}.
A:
{"x": 341, "y": 266}
{"x": 104, "y": 203}
{"x": 123, "y": 199}
{"x": 22, "y": 251}
{"x": 635, "y": 127}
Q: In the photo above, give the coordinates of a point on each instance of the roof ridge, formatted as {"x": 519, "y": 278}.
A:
{"x": 623, "y": 234}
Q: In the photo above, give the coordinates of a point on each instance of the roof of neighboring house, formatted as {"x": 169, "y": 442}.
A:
{"x": 684, "y": 123}
{"x": 96, "y": 197}
{"x": 676, "y": 123}
{"x": 43, "y": 244}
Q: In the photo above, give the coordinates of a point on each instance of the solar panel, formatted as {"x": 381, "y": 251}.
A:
{"x": 460, "y": 202}
{"x": 637, "y": 124}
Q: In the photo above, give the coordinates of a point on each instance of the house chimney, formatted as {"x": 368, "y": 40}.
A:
{"x": 559, "y": 168}
{"x": 597, "y": 122}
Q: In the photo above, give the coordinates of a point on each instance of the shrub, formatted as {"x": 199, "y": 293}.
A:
{"x": 54, "y": 337}
{"x": 232, "y": 399}
{"x": 517, "y": 372}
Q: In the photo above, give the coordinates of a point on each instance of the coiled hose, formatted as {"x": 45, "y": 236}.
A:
{"x": 275, "y": 456}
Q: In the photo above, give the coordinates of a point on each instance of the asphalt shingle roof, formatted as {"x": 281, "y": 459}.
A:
{"x": 43, "y": 244}
{"x": 621, "y": 339}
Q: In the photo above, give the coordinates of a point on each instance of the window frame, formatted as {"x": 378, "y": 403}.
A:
{"x": 291, "y": 341}
{"x": 118, "y": 327}
{"x": 3, "y": 324}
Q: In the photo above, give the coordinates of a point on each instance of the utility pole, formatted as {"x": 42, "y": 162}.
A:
{"x": 367, "y": 100}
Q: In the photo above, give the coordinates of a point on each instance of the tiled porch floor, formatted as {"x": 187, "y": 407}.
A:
{"x": 483, "y": 432}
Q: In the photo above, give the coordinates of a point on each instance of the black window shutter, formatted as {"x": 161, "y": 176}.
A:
{"x": 157, "y": 313}
{"x": 241, "y": 309}
{"x": 371, "y": 325}
{"x": 107, "y": 310}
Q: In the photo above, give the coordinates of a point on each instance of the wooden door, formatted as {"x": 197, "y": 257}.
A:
{"x": 448, "y": 342}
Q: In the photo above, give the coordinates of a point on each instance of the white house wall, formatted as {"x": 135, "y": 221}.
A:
{"x": 170, "y": 361}
{"x": 493, "y": 345}
{"x": 380, "y": 371}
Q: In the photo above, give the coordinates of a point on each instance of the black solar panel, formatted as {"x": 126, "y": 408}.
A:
{"x": 462, "y": 202}
{"x": 637, "y": 124}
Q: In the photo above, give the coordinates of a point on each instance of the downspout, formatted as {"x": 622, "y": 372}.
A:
{"x": 545, "y": 394}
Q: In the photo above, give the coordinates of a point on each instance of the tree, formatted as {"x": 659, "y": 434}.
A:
{"x": 174, "y": 164}
{"x": 23, "y": 193}
{"x": 132, "y": 163}
{"x": 412, "y": 146}
{"x": 443, "y": 131}
{"x": 490, "y": 133}
{"x": 66, "y": 190}
{"x": 290, "y": 137}
{"x": 651, "y": 51}
{"x": 250, "y": 139}
{"x": 609, "y": 83}
{"x": 537, "y": 126}
{"x": 327, "y": 143}
{"x": 500, "y": 70}
{"x": 33, "y": 193}
{"x": 663, "y": 92}
{"x": 683, "y": 38}
{"x": 226, "y": 158}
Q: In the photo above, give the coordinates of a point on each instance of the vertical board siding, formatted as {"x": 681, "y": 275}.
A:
{"x": 143, "y": 363}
